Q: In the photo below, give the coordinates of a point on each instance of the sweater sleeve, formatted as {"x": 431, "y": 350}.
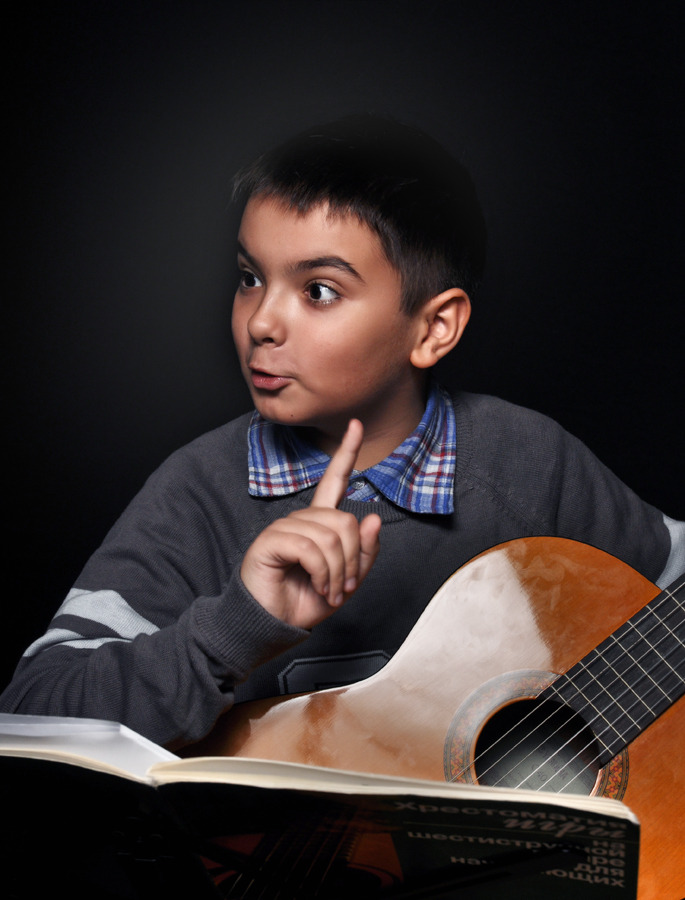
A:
{"x": 159, "y": 627}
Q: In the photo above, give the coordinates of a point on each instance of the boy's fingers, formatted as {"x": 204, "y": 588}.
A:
{"x": 332, "y": 487}
{"x": 369, "y": 544}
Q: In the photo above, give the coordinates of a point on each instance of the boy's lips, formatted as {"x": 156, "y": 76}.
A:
{"x": 267, "y": 381}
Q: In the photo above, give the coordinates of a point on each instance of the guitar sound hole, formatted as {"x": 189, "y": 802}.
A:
{"x": 538, "y": 746}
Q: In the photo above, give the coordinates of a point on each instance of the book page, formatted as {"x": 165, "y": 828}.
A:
{"x": 90, "y": 743}
{"x": 296, "y": 776}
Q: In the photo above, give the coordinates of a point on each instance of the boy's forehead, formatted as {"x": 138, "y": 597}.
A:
{"x": 271, "y": 225}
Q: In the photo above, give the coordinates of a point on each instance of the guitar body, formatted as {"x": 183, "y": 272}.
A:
{"x": 499, "y": 630}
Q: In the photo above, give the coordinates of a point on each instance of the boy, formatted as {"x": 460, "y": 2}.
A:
{"x": 250, "y": 564}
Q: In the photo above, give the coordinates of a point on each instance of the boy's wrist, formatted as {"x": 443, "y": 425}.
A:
{"x": 239, "y": 633}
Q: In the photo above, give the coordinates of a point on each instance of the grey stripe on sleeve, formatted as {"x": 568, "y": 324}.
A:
{"x": 106, "y": 608}
{"x": 63, "y": 638}
{"x": 675, "y": 564}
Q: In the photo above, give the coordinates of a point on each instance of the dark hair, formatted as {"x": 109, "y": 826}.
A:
{"x": 397, "y": 180}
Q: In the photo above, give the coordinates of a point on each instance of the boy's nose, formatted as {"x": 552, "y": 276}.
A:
{"x": 267, "y": 323}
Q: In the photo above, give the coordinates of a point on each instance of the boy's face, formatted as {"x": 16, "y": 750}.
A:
{"x": 318, "y": 326}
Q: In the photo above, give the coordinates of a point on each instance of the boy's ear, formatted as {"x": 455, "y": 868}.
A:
{"x": 441, "y": 322}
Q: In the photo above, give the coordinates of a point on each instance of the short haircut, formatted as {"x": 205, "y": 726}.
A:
{"x": 399, "y": 182}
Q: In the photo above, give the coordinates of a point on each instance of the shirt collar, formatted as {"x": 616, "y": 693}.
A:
{"x": 418, "y": 475}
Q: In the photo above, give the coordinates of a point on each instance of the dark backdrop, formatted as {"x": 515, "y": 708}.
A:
{"x": 126, "y": 122}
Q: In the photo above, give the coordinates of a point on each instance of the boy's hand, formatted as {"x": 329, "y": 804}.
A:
{"x": 303, "y": 567}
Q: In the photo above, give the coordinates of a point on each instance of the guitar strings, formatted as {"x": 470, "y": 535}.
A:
{"x": 281, "y": 857}
{"x": 634, "y": 662}
{"x": 640, "y": 701}
{"x": 647, "y": 612}
{"x": 556, "y": 708}
{"x": 279, "y": 877}
{"x": 287, "y": 864}
{"x": 596, "y": 736}
{"x": 254, "y": 888}
{"x": 327, "y": 861}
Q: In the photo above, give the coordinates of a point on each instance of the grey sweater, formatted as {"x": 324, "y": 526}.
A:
{"x": 161, "y": 635}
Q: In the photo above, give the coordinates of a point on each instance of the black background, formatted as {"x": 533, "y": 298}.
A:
{"x": 125, "y": 124}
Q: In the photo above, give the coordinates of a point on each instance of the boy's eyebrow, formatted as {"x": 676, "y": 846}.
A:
{"x": 327, "y": 262}
{"x": 305, "y": 265}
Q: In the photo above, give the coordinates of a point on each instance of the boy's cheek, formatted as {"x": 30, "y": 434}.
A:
{"x": 238, "y": 328}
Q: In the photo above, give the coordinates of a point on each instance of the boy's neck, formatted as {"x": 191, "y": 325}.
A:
{"x": 382, "y": 434}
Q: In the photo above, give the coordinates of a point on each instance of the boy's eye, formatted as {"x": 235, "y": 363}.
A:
{"x": 249, "y": 279}
{"x": 322, "y": 294}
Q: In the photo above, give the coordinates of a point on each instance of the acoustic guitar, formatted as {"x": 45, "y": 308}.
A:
{"x": 543, "y": 663}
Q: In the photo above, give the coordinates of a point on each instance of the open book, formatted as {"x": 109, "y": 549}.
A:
{"x": 95, "y": 807}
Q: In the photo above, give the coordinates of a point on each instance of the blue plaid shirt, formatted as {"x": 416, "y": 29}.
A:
{"x": 418, "y": 475}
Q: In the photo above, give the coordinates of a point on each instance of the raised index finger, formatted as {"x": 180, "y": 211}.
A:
{"x": 332, "y": 487}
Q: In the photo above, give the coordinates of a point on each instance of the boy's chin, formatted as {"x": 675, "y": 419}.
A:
{"x": 280, "y": 414}
{"x": 292, "y": 422}
{"x": 276, "y": 419}
{"x": 311, "y": 427}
